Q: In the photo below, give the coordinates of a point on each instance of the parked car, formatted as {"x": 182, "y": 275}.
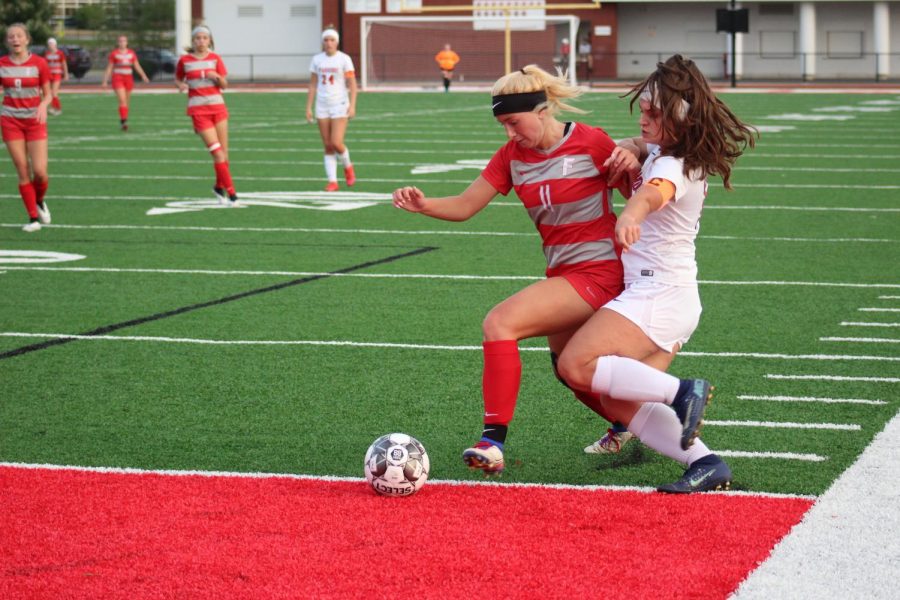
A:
{"x": 156, "y": 60}
{"x": 77, "y": 58}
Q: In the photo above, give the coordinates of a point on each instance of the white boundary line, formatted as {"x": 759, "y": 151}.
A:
{"x": 846, "y": 545}
{"x": 447, "y": 482}
{"x": 861, "y": 340}
{"x": 867, "y": 324}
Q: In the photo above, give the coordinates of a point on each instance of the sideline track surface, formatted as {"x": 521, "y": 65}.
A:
{"x": 80, "y": 533}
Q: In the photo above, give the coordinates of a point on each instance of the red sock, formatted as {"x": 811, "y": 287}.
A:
{"x": 55, "y": 103}
{"x": 501, "y": 379}
{"x": 28, "y": 197}
{"x": 123, "y": 113}
{"x": 40, "y": 189}
{"x": 223, "y": 177}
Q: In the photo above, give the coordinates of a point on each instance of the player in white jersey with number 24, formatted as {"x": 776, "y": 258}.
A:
{"x": 332, "y": 88}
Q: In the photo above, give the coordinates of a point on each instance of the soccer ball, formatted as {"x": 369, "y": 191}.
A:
{"x": 396, "y": 465}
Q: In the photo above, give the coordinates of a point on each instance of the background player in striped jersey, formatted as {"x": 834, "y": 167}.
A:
{"x": 25, "y": 79}
{"x": 122, "y": 63}
{"x": 202, "y": 74}
{"x": 558, "y": 170}
{"x": 59, "y": 72}
{"x": 686, "y": 134}
{"x": 332, "y": 87}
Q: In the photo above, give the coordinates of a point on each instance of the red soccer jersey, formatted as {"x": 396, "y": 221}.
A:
{"x": 55, "y": 61}
{"x": 565, "y": 192}
{"x": 22, "y": 86}
{"x": 204, "y": 96}
{"x": 123, "y": 62}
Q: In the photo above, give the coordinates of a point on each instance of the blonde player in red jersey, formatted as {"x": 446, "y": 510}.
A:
{"x": 59, "y": 72}
{"x": 560, "y": 172}
{"x": 332, "y": 87}
{"x": 122, "y": 63}
{"x": 202, "y": 74}
{"x": 25, "y": 79}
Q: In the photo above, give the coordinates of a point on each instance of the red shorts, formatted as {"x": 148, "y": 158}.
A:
{"x": 56, "y": 76}
{"x": 208, "y": 121}
{"x": 22, "y": 129}
{"x": 598, "y": 284}
{"x": 123, "y": 81}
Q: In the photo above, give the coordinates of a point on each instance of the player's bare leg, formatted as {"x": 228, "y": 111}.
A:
{"x": 19, "y": 155}
{"x": 325, "y": 131}
{"x": 338, "y": 130}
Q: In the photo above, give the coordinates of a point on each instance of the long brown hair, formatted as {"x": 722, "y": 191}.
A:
{"x": 696, "y": 126}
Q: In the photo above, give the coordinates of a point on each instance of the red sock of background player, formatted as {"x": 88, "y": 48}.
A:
{"x": 55, "y": 103}
{"x": 500, "y": 387}
{"x": 26, "y": 190}
{"x": 123, "y": 113}
{"x": 230, "y": 184}
{"x": 40, "y": 189}
{"x": 223, "y": 177}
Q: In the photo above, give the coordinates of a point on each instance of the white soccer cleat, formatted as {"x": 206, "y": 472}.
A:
{"x": 43, "y": 213}
{"x": 612, "y": 442}
{"x": 32, "y": 227}
{"x": 484, "y": 456}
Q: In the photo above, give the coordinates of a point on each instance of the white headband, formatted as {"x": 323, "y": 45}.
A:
{"x": 200, "y": 29}
{"x": 51, "y": 40}
{"x": 648, "y": 94}
{"x": 331, "y": 33}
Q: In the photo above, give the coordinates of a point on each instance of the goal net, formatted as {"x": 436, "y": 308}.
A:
{"x": 400, "y": 50}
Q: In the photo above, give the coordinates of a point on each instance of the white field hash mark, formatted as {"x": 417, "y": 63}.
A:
{"x": 834, "y": 378}
{"x": 867, "y": 324}
{"x": 811, "y": 399}
{"x": 784, "y": 425}
{"x": 860, "y": 340}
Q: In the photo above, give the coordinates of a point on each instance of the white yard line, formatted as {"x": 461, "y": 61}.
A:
{"x": 812, "y": 399}
{"x": 774, "y": 455}
{"x": 464, "y": 348}
{"x": 869, "y": 309}
{"x": 847, "y": 545}
{"x": 867, "y": 324}
{"x": 461, "y": 277}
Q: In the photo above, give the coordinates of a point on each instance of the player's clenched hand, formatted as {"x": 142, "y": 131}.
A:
{"x": 621, "y": 162}
{"x": 409, "y": 198}
{"x": 628, "y": 231}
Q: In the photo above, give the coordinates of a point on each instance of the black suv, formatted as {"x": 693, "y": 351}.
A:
{"x": 155, "y": 61}
{"x": 77, "y": 58}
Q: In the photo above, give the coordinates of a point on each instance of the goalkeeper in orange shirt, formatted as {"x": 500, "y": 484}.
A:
{"x": 446, "y": 60}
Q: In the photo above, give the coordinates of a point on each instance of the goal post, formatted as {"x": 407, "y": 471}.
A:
{"x": 400, "y": 50}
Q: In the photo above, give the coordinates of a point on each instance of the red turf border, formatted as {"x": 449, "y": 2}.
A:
{"x": 71, "y": 533}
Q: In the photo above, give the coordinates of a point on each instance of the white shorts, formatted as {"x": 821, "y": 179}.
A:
{"x": 332, "y": 109}
{"x": 667, "y": 314}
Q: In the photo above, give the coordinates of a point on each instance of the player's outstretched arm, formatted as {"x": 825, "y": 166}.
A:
{"x": 450, "y": 208}
{"x": 649, "y": 198}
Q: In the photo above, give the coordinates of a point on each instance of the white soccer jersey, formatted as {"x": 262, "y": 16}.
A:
{"x": 331, "y": 73}
{"x": 666, "y": 253}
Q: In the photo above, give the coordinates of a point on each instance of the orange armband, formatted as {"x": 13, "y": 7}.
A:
{"x": 665, "y": 187}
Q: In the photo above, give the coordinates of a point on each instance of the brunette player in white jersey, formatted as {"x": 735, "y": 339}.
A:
{"x": 332, "y": 87}
{"x": 59, "y": 72}
{"x": 122, "y": 62}
{"x": 202, "y": 74}
{"x": 560, "y": 172}
{"x": 687, "y": 134}
{"x": 25, "y": 80}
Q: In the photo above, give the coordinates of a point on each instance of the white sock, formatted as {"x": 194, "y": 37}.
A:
{"x": 629, "y": 379}
{"x": 331, "y": 167}
{"x": 659, "y": 428}
{"x": 345, "y": 157}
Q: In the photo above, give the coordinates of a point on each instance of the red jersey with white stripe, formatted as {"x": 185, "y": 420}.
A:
{"x": 204, "y": 95}
{"x": 22, "y": 86}
{"x": 55, "y": 61}
{"x": 123, "y": 62}
{"x": 564, "y": 189}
